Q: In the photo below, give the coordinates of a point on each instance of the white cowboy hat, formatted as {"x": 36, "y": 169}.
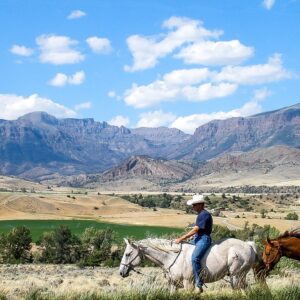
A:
{"x": 196, "y": 199}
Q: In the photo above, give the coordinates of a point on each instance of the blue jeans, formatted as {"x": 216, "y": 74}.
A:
{"x": 201, "y": 245}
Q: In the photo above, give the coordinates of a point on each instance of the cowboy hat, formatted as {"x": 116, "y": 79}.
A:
{"x": 196, "y": 199}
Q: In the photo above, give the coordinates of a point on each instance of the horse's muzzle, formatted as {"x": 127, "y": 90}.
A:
{"x": 124, "y": 274}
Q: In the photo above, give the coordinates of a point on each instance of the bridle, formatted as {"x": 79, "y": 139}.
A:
{"x": 130, "y": 267}
{"x": 275, "y": 257}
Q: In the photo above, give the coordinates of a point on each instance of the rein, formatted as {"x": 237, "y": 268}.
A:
{"x": 279, "y": 252}
{"x": 171, "y": 265}
{"x": 129, "y": 265}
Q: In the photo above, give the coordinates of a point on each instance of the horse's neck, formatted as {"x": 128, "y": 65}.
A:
{"x": 290, "y": 247}
{"x": 160, "y": 258}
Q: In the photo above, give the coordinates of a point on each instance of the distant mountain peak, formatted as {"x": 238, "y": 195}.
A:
{"x": 38, "y": 117}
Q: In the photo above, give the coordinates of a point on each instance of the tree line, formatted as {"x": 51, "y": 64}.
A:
{"x": 98, "y": 247}
{"x": 60, "y": 246}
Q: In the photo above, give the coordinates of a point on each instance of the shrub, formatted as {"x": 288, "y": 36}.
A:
{"x": 60, "y": 246}
{"x": 95, "y": 246}
{"x": 15, "y": 245}
{"x": 292, "y": 216}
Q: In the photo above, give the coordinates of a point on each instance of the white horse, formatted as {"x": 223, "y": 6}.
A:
{"x": 231, "y": 257}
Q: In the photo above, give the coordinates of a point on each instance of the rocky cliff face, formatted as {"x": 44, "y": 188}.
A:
{"x": 38, "y": 146}
{"x": 280, "y": 127}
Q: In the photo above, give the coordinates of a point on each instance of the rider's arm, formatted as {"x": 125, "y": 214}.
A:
{"x": 187, "y": 235}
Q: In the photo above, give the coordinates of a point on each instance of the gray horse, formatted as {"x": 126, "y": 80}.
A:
{"x": 231, "y": 257}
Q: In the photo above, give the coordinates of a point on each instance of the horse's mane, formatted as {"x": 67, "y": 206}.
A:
{"x": 293, "y": 233}
{"x": 164, "y": 245}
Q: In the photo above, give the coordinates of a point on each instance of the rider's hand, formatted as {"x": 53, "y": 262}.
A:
{"x": 177, "y": 241}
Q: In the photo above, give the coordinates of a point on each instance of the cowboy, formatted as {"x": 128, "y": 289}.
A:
{"x": 201, "y": 236}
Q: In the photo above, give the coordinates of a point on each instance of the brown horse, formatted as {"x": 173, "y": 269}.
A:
{"x": 287, "y": 244}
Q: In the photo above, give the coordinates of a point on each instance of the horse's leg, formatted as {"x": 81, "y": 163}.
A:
{"x": 173, "y": 287}
{"x": 231, "y": 281}
{"x": 188, "y": 284}
{"x": 242, "y": 284}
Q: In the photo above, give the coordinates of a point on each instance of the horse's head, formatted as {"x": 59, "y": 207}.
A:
{"x": 272, "y": 253}
{"x": 131, "y": 258}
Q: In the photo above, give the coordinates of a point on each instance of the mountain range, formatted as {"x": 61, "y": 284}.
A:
{"x": 40, "y": 147}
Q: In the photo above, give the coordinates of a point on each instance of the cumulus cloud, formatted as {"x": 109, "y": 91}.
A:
{"x": 203, "y": 84}
{"x": 76, "y": 14}
{"x": 77, "y": 78}
{"x": 14, "y": 106}
{"x": 208, "y": 91}
{"x": 58, "y": 50}
{"x": 99, "y": 45}
{"x": 178, "y": 84}
{"x": 119, "y": 121}
{"x": 215, "y": 53}
{"x": 155, "y": 119}
{"x": 61, "y": 79}
{"x": 268, "y": 4}
{"x": 83, "y": 105}
{"x": 189, "y": 123}
{"x": 146, "y": 51}
{"x": 272, "y": 71}
{"x": 21, "y": 50}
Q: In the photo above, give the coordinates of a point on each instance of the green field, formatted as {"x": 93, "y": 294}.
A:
{"x": 37, "y": 227}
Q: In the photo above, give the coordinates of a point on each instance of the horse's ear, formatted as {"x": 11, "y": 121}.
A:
{"x": 265, "y": 242}
{"x": 268, "y": 240}
{"x": 127, "y": 241}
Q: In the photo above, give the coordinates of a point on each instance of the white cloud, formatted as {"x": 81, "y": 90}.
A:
{"x": 268, "y": 4}
{"x": 112, "y": 94}
{"x": 61, "y": 79}
{"x": 215, "y": 53}
{"x": 189, "y": 123}
{"x": 58, "y": 50}
{"x": 261, "y": 94}
{"x": 77, "y": 78}
{"x": 187, "y": 76}
{"x": 119, "y": 121}
{"x": 14, "y": 106}
{"x": 147, "y": 50}
{"x": 178, "y": 84}
{"x": 155, "y": 119}
{"x": 208, "y": 91}
{"x": 21, "y": 50}
{"x": 83, "y": 105}
{"x": 202, "y": 84}
{"x": 76, "y": 14}
{"x": 99, "y": 45}
{"x": 256, "y": 74}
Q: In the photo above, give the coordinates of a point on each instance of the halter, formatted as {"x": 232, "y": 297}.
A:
{"x": 129, "y": 265}
{"x": 279, "y": 252}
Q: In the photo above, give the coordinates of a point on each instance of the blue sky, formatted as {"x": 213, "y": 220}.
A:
{"x": 149, "y": 63}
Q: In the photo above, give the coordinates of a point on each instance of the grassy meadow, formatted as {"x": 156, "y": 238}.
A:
{"x": 37, "y": 227}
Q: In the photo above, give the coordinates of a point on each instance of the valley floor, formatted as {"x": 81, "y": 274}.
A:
{"x": 111, "y": 208}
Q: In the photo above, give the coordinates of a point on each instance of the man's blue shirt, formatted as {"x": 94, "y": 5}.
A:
{"x": 204, "y": 222}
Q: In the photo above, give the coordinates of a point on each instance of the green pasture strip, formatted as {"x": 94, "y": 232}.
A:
{"x": 37, "y": 227}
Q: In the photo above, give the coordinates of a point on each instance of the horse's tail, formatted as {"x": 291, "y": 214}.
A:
{"x": 259, "y": 268}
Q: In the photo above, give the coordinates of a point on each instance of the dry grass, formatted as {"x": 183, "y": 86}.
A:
{"x": 70, "y": 281}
